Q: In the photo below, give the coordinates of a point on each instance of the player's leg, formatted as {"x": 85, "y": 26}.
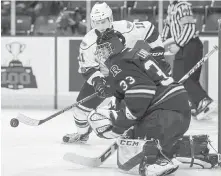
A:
{"x": 182, "y": 65}
{"x": 81, "y": 113}
{"x": 166, "y": 127}
{"x": 192, "y": 53}
{"x": 179, "y": 72}
{"x": 185, "y": 59}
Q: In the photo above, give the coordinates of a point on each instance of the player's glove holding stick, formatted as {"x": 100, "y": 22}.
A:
{"x": 101, "y": 87}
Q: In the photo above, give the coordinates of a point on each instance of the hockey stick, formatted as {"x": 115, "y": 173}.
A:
{"x": 198, "y": 64}
{"x": 34, "y": 122}
{"x": 91, "y": 162}
{"x": 97, "y": 161}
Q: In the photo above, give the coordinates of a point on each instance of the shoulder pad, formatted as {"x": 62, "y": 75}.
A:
{"x": 123, "y": 26}
{"x": 88, "y": 40}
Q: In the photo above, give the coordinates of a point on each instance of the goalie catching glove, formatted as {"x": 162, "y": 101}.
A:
{"x": 105, "y": 123}
{"x": 101, "y": 121}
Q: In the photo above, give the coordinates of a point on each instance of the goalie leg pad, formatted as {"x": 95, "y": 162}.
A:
{"x": 132, "y": 151}
{"x": 194, "y": 150}
{"x": 129, "y": 154}
{"x": 190, "y": 146}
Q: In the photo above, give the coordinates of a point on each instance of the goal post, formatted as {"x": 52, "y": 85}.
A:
{"x": 219, "y": 86}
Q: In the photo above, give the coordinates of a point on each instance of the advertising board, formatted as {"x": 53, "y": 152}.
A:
{"x": 27, "y": 71}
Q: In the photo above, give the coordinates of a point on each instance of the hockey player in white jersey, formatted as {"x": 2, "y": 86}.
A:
{"x": 94, "y": 71}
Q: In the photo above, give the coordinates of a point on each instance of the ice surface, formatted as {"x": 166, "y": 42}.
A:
{"x": 38, "y": 151}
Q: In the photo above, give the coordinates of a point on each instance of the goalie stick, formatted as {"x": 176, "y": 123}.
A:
{"x": 97, "y": 161}
{"x": 91, "y": 162}
{"x": 34, "y": 122}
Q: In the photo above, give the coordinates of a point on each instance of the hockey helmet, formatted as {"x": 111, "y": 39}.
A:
{"x": 109, "y": 43}
{"x": 101, "y": 16}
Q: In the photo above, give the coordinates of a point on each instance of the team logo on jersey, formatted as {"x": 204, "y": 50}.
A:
{"x": 115, "y": 70}
{"x": 157, "y": 54}
{"x": 15, "y": 75}
{"x": 143, "y": 53}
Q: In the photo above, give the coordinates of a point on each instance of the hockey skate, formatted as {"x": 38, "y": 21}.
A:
{"x": 76, "y": 137}
{"x": 205, "y": 107}
{"x": 160, "y": 168}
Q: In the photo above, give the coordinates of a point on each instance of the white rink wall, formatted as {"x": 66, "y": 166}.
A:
{"x": 212, "y": 68}
{"x": 53, "y": 62}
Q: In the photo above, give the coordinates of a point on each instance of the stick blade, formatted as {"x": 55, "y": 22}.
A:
{"x": 216, "y": 47}
{"x": 85, "y": 161}
{"x": 27, "y": 120}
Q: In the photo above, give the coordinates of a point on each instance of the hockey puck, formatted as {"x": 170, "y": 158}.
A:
{"x": 14, "y": 122}
{"x": 66, "y": 139}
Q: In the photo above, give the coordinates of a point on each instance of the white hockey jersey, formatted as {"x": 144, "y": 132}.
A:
{"x": 89, "y": 64}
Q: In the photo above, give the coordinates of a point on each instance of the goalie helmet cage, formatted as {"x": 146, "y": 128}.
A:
{"x": 219, "y": 87}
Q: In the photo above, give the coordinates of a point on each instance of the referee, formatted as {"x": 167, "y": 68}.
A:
{"x": 188, "y": 50}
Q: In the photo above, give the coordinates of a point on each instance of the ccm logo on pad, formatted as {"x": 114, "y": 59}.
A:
{"x": 130, "y": 143}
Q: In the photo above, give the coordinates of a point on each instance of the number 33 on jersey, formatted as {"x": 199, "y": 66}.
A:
{"x": 129, "y": 80}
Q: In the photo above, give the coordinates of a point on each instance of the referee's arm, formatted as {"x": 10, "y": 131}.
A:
{"x": 165, "y": 31}
{"x": 188, "y": 24}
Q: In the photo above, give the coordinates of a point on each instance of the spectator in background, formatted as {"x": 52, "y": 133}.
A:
{"x": 188, "y": 50}
{"x": 46, "y": 13}
{"x": 5, "y": 7}
{"x": 71, "y": 23}
{"x": 5, "y": 17}
{"x": 130, "y": 4}
{"x": 46, "y": 8}
{"x": 29, "y": 8}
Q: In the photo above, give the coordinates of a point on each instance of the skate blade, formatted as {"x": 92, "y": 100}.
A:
{"x": 204, "y": 115}
{"x": 75, "y": 143}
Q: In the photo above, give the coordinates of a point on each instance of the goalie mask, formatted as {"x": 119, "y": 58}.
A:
{"x": 109, "y": 43}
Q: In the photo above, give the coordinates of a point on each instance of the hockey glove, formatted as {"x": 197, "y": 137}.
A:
{"x": 101, "y": 121}
{"x": 101, "y": 87}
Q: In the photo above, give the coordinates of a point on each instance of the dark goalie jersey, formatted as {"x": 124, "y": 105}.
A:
{"x": 144, "y": 85}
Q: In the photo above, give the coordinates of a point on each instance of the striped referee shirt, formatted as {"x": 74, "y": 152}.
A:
{"x": 180, "y": 23}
